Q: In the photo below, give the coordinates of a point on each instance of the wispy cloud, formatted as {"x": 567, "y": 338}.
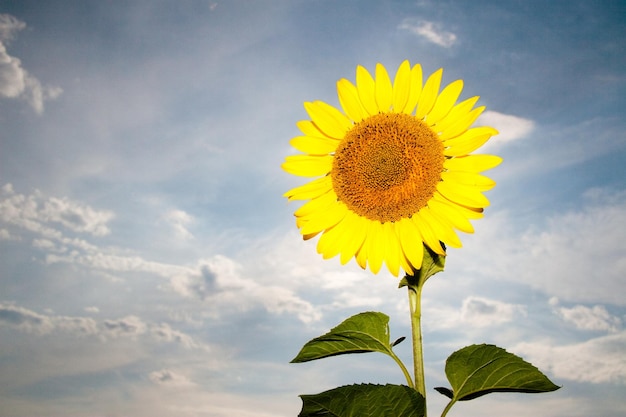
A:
{"x": 576, "y": 255}
{"x": 598, "y": 360}
{"x": 37, "y": 213}
{"x": 595, "y": 318}
{"x": 15, "y": 81}
{"x": 29, "y": 321}
{"x": 511, "y": 128}
{"x": 180, "y": 221}
{"x": 479, "y": 311}
{"x": 170, "y": 378}
{"x": 431, "y": 31}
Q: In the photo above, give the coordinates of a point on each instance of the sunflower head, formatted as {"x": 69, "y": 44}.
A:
{"x": 393, "y": 171}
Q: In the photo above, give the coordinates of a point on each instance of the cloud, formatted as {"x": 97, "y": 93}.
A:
{"x": 31, "y": 322}
{"x": 35, "y": 212}
{"x": 15, "y": 81}
{"x": 599, "y": 360}
{"x": 5, "y": 234}
{"x": 484, "y": 312}
{"x": 218, "y": 281}
{"x": 595, "y": 318}
{"x": 164, "y": 332}
{"x": 430, "y": 31}
{"x": 179, "y": 221}
{"x": 133, "y": 327}
{"x": 576, "y": 255}
{"x": 170, "y": 378}
{"x": 130, "y": 326}
{"x": 510, "y": 128}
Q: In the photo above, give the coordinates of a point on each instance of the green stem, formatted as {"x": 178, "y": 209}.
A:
{"x": 431, "y": 264}
{"x": 448, "y": 407}
{"x": 415, "y": 296}
{"x": 405, "y": 371}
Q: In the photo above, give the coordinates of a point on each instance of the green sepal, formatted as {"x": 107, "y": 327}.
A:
{"x": 431, "y": 264}
{"x": 478, "y": 370}
{"x": 361, "y": 333}
{"x": 361, "y": 400}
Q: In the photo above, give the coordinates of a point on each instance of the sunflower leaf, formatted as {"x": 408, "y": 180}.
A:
{"x": 361, "y": 333}
{"x": 364, "y": 400}
{"x": 478, "y": 370}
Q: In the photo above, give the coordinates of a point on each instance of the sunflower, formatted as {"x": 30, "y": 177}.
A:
{"x": 393, "y": 171}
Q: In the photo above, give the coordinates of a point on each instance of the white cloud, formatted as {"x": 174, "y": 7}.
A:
{"x": 131, "y": 326}
{"x": 15, "y": 81}
{"x": 179, "y": 221}
{"x": 430, "y": 31}
{"x": 9, "y": 25}
{"x": 5, "y": 234}
{"x": 164, "y": 331}
{"x": 599, "y": 360}
{"x": 595, "y": 318}
{"x": 577, "y": 255}
{"x": 481, "y": 312}
{"x": 34, "y": 212}
{"x": 510, "y": 128}
{"x": 218, "y": 281}
{"x": 170, "y": 378}
{"x": 32, "y": 322}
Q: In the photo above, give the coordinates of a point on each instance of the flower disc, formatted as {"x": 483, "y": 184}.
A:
{"x": 387, "y": 167}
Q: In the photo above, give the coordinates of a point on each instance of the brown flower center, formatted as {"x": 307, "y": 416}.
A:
{"x": 387, "y": 167}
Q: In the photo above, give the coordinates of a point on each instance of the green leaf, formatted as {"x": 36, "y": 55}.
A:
{"x": 364, "y": 400}
{"x": 478, "y": 370}
{"x": 364, "y": 332}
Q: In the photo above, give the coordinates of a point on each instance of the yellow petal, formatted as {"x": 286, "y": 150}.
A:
{"x": 392, "y": 248}
{"x": 356, "y": 230}
{"x": 458, "y": 111}
{"x": 443, "y": 229}
{"x": 309, "y": 129}
{"x": 332, "y": 241}
{"x": 361, "y": 254}
{"x": 416, "y": 89}
{"x": 411, "y": 242}
{"x": 322, "y": 220}
{"x": 310, "y": 190}
{"x": 328, "y": 119}
{"x": 402, "y": 87}
{"x": 317, "y": 204}
{"x": 429, "y": 94}
{"x": 308, "y": 166}
{"x": 313, "y": 145}
{"x": 472, "y": 163}
{"x": 469, "y": 141}
{"x": 470, "y": 179}
{"x": 472, "y": 213}
{"x": 349, "y": 100}
{"x": 462, "y": 124}
{"x": 428, "y": 235}
{"x": 310, "y": 236}
{"x": 384, "y": 92}
{"x": 367, "y": 90}
{"x": 445, "y": 102}
{"x": 450, "y": 213}
{"x": 374, "y": 250}
{"x": 468, "y": 196}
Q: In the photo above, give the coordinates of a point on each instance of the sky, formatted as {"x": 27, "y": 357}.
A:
{"x": 149, "y": 265}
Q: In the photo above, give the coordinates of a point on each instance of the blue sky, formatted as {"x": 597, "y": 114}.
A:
{"x": 151, "y": 267}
